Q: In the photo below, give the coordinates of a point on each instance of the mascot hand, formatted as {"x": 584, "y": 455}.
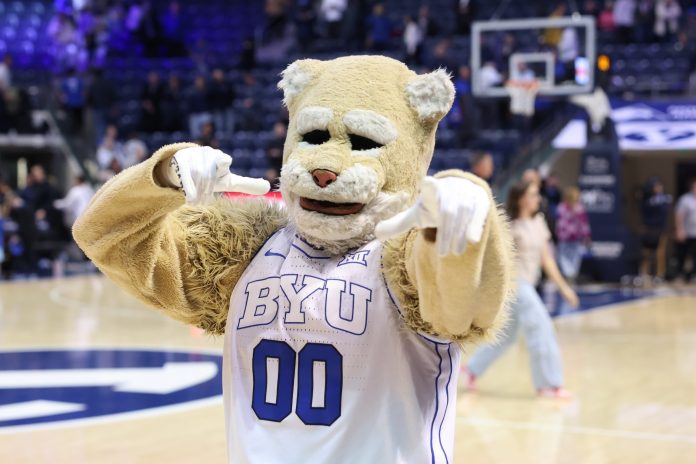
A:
{"x": 202, "y": 171}
{"x": 457, "y": 207}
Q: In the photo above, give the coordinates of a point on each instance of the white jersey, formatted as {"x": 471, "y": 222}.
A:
{"x": 319, "y": 367}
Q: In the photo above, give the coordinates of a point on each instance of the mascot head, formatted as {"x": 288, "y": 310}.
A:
{"x": 360, "y": 138}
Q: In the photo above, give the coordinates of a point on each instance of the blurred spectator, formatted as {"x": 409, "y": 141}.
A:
{"x": 134, "y": 150}
{"x": 110, "y": 151}
{"x": 490, "y": 112}
{"x": 221, "y": 96}
{"x": 73, "y": 99}
{"x": 198, "y": 106}
{"x": 426, "y": 23}
{"x": 572, "y": 233}
{"x": 482, "y": 165}
{"x": 624, "y": 18}
{"x": 645, "y": 21}
{"x": 75, "y": 202}
{"x": 412, "y": 40}
{"x": 304, "y": 25}
{"x": 16, "y": 106}
{"x": 605, "y": 20}
{"x": 207, "y": 135}
{"x": 248, "y": 117}
{"x": 331, "y": 13}
{"x": 173, "y": 30}
{"x": 553, "y": 35}
{"x": 467, "y": 105}
{"x": 151, "y": 102}
{"x": 6, "y": 72}
{"x": 200, "y": 55}
{"x": 274, "y": 151}
{"x": 379, "y": 29}
{"x": 101, "y": 99}
{"x": 276, "y": 12}
{"x": 247, "y": 59}
{"x": 591, "y": 8}
{"x": 173, "y": 106}
{"x": 655, "y": 209}
{"x": 667, "y": 16}
{"x": 551, "y": 193}
{"x": 685, "y": 222}
{"x": 567, "y": 52}
{"x": 466, "y": 12}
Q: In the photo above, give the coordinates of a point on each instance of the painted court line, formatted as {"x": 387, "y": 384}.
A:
{"x": 537, "y": 426}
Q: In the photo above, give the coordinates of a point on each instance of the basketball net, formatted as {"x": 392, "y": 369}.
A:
{"x": 522, "y": 96}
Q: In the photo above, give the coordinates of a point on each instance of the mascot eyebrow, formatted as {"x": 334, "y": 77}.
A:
{"x": 313, "y": 118}
{"x": 371, "y": 125}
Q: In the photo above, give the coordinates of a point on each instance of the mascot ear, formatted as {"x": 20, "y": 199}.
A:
{"x": 297, "y": 77}
{"x": 431, "y": 95}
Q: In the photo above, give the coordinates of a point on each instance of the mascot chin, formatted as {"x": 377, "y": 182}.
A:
{"x": 343, "y": 311}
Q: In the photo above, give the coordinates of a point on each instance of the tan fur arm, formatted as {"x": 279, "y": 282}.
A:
{"x": 182, "y": 260}
{"x": 461, "y": 298}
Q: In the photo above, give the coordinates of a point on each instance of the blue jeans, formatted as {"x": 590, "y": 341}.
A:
{"x": 529, "y": 314}
{"x": 570, "y": 258}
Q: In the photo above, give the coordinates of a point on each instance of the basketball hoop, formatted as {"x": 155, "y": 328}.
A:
{"x": 522, "y": 95}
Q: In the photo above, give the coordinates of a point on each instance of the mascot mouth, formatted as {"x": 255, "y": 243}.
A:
{"x": 330, "y": 208}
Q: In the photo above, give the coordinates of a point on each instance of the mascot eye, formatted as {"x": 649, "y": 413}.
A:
{"x": 316, "y": 137}
{"x": 358, "y": 142}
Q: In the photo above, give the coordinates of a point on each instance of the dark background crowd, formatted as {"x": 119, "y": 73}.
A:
{"x": 123, "y": 77}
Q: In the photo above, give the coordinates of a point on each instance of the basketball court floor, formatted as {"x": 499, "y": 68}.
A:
{"x": 89, "y": 375}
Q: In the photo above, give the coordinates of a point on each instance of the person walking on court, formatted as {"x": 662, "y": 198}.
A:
{"x": 686, "y": 231}
{"x": 572, "y": 232}
{"x": 528, "y": 312}
{"x": 655, "y": 209}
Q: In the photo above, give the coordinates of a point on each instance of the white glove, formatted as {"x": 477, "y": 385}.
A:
{"x": 202, "y": 171}
{"x": 457, "y": 207}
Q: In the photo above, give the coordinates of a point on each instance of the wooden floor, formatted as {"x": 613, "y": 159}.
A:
{"x": 632, "y": 368}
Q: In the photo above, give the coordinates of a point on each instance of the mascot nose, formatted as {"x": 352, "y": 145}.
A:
{"x": 323, "y": 178}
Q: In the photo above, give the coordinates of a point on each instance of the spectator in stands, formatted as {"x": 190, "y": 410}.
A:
{"x": 200, "y": 55}
{"x": 490, "y": 112}
{"x": 73, "y": 99}
{"x": 274, "y": 151}
{"x": 207, "y": 136}
{"x": 528, "y": 312}
{"x": 568, "y": 51}
{"x": 248, "y": 117}
{"x": 467, "y": 105}
{"x": 276, "y": 12}
{"x": 151, "y": 102}
{"x": 305, "y": 20}
{"x": 591, "y": 8}
{"x": 110, "y": 151}
{"x": 198, "y": 106}
{"x": 667, "y": 16}
{"x": 6, "y": 72}
{"x": 426, "y": 23}
{"x": 173, "y": 106}
{"x": 173, "y": 30}
{"x": 379, "y": 29}
{"x": 134, "y": 150}
{"x": 482, "y": 165}
{"x": 685, "y": 222}
{"x": 221, "y": 100}
{"x": 247, "y": 59}
{"x": 101, "y": 101}
{"x": 16, "y": 106}
{"x": 553, "y": 35}
{"x": 645, "y": 21}
{"x": 466, "y": 13}
{"x": 655, "y": 209}
{"x": 412, "y": 41}
{"x": 572, "y": 233}
{"x": 552, "y": 197}
{"x": 331, "y": 13}
{"x": 440, "y": 57}
{"x": 75, "y": 201}
{"x": 624, "y": 18}
{"x": 605, "y": 20}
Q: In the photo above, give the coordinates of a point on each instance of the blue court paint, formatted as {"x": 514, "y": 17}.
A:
{"x": 51, "y": 386}
{"x": 590, "y": 300}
